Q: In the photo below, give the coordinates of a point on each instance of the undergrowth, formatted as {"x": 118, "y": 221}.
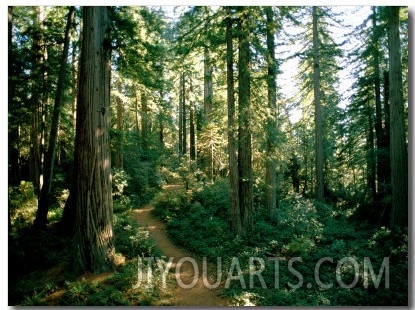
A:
{"x": 44, "y": 276}
{"x": 303, "y": 231}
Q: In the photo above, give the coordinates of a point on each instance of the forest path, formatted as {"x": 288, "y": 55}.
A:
{"x": 197, "y": 295}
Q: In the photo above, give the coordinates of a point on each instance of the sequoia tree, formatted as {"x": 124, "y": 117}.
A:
{"x": 93, "y": 239}
{"x": 398, "y": 148}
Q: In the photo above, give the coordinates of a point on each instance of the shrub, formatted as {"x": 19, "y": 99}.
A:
{"x": 22, "y": 204}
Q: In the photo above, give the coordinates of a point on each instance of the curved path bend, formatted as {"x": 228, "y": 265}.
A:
{"x": 199, "y": 294}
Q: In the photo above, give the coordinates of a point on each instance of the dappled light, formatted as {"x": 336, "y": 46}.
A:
{"x": 208, "y": 156}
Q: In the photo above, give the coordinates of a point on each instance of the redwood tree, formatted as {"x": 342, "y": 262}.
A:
{"x": 398, "y": 148}
{"x": 318, "y": 114}
{"x": 244, "y": 122}
{"x": 93, "y": 239}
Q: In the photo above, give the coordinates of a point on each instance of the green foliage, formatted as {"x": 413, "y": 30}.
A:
{"x": 130, "y": 239}
{"x": 119, "y": 182}
{"x": 144, "y": 181}
{"x": 22, "y": 204}
{"x": 302, "y": 228}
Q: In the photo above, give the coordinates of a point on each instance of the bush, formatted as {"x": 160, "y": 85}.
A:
{"x": 22, "y": 205}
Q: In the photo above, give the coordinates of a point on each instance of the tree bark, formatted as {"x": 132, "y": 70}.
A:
{"x": 119, "y": 153}
{"x": 161, "y": 120}
{"x": 144, "y": 124}
{"x": 398, "y": 150}
{"x": 244, "y": 123}
{"x": 318, "y": 114}
{"x": 36, "y": 103}
{"x": 382, "y": 154}
{"x": 192, "y": 127}
{"x": 93, "y": 239}
{"x": 184, "y": 128}
{"x": 232, "y": 144}
{"x": 371, "y": 158}
{"x": 13, "y": 129}
{"x": 42, "y": 211}
{"x": 271, "y": 130}
{"x": 208, "y": 88}
{"x": 181, "y": 95}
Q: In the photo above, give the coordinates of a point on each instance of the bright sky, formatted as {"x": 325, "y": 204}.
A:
{"x": 286, "y": 81}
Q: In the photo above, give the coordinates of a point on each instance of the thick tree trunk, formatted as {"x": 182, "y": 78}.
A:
{"x": 244, "y": 120}
{"x": 271, "y": 130}
{"x": 42, "y": 211}
{"x": 93, "y": 242}
{"x": 232, "y": 145}
{"x": 318, "y": 114}
{"x": 398, "y": 149}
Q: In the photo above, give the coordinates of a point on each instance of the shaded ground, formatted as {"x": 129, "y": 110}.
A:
{"x": 199, "y": 294}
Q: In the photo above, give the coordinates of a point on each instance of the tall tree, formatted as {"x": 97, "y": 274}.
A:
{"x": 192, "y": 126}
{"x": 119, "y": 149}
{"x": 236, "y": 225}
{"x": 42, "y": 212}
{"x": 271, "y": 130}
{"x": 13, "y": 128}
{"x": 318, "y": 112}
{"x": 244, "y": 120}
{"x": 184, "y": 127}
{"x": 37, "y": 100}
{"x": 93, "y": 239}
{"x": 398, "y": 149}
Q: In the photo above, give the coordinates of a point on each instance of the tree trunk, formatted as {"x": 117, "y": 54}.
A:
{"x": 184, "y": 129}
{"x": 74, "y": 90}
{"x": 318, "y": 114}
{"x": 161, "y": 121}
{"x": 271, "y": 130}
{"x": 384, "y": 173}
{"x": 119, "y": 156}
{"x": 398, "y": 149}
{"x": 208, "y": 89}
{"x": 232, "y": 145}
{"x": 382, "y": 154}
{"x": 192, "y": 129}
{"x": 36, "y": 103}
{"x": 42, "y": 211}
{"x": 207, "y": 104}
{"x": 181, "y": 95}
{"x": 93, "y": 239}
{"x": 244, "y": 123}
{"x": 144, "y": 124}
{"x": 13, "y": 130}
{"x": 137, "y": 113}
{"x": 371, "y": 158}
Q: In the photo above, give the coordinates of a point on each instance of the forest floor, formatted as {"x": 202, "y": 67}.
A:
{"x": 199, "y": 294}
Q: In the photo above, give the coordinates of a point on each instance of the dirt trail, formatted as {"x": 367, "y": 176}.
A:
{"x": 199, "y": 294}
